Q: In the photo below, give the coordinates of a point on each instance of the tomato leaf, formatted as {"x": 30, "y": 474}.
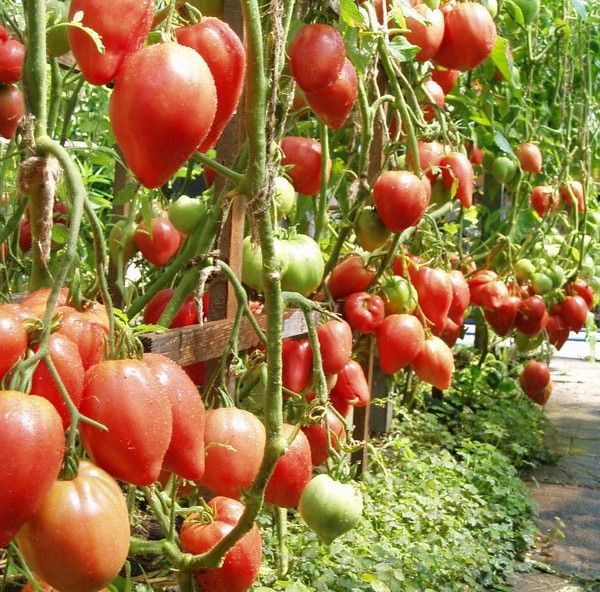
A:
{"x": 400, "y": 49}
{"x": 502, "y": 143}
{"x": 93, "y": 35}
{"x": 350, "y": 14}
{"x": 500, "y": 58}
{"x": 515, "y": 11}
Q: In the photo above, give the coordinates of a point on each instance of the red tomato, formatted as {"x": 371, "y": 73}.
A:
{"x": 297, "y": 360}
{"x": 576, "y": 189}
{"x": 400, "y": 339}
{"x": 461, "y": 296}
{"x": 557, "y": 331}
{"x": 434, "y": 288}
{"x": 437, "y": 98}
{"x": 469, "y": 36}
{"x": 67, "y": 361}
{"x": 158, "y": 136}
{"x": 352, "y": 386}
{"x": 185, "y": 455}
{"x": 292, "y": 472}
{"x": 12, "y": 108}
{"x": 339, "y": 403}
{"x": 543, "y": 197}
{"x": 531, "y": 316}
{"x": 435, "y": 363}
{"x": 197, "y": 372}
{"x": 535, "y": 381}
{"x": 304, "y": 157}
{"x": 234, "y": 441}
{"x": 161, "y": 244}
{"x": 88, "y": 336}
{"x": 186, "y": 315}
{"x": 125, "y": 396}
{"x": 581, "y": 288}
{"x": 430, "y": 154}
{"x": 456, "y": 166}
{"x": 13, "y": 338}
{"x": 12, "y": 55}
{"x": 487, "y": 290}
{"x": 426, "y": 33}
{"x": 476, "y": 155}
{"x": 25, "y": 235}
{"x": 335, "y": 341}
{"x": 574, "y": 311}
{"x": 450, "y": 333}
{"x": 334, "y": 103}
{"x": 224, "y": 53}
{"x": 364, "y": 312}
{"x": 242, "y": 562}
{"x": 530, "y": 157}
{"x": 31, "y": 453}
{"x": 317, "y": 56}
{"x": 502, "y": 317}
{"x": 89, "y": 508}
{"x": 447, "y": 80}
{"x": 28, "y": 587}
{"x": 348, "y": 276}
{"x": 37, "y": 301}
{"x": 318, "y": 439}
{"x": 400, "y": 198}
{"x": 123, "y": 27}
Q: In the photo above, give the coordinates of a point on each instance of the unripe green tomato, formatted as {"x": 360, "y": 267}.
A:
{"x": 399, "y": 296}
{"x": 542, "y": 283}
{"x": 491, "y": 6}
{"x": 525, "y": 344}
{"x": 557, "y": 275}
{"x": 524, "y": 270}
{"x": 529, "y": 8}
{"x": 305, "y": 269}
{"x": 57, "y": 39}
{"x": 252, "y": 262}
{"x": 504, "y": 169}
{"x": 370, "y": 231}
{"x": 284, "y": 197}
{"x": 186, "y": 213}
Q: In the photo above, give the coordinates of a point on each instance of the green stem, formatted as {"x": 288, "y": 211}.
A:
{"x": 283, "y": 556}
{"x": 219, "y": 168}
{"x": 70, "y": 109}
{"x": 13, "y": 222}
{"x": 55, "y": 94}
{"x": 185, "y": 286}
{"x": 321, "y": 217}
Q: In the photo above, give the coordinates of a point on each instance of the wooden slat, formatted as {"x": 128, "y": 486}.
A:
{"x": 200, "y": 343}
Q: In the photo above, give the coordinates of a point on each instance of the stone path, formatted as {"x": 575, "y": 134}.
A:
{"x": 568, "y": 493}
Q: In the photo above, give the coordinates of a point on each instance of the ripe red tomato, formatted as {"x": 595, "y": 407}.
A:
{"x": 89, "y": 508}
{"x": 476, "y": 155}
{"x": 446, "y": 79}
{"x": 430, "y": 154}
{"x": 242, "y": 562}
{"x": 318, "y": 439}
{"x": 160, "y": 245}
{"x": 304, "y": 157}
{"x": 12, "y": 108}
{"x": 185, "y": 455}
{"x": 400, "y": 198}
{"x": 532, "y": 316}
{"x": 297, "y": 360}
{"x": 348, "y": 276}
{"x": 125, "y": 396}
{"x": 487, "y": 290}
{"x": 317, "y": 56}
{"x": 456, "y": 166}
{"x": 461, "y": 296}
{"x": 12, "y": 55}
{"x": 364, "y": 312}
{"x": 234, "y": 441}
{"x": 13, "y": 338}
{"x": 31, "y": 453}
{"x": 557, "y": 331}
{"x": 581, "y": 288}
{"x": 67, "y": 361}
{"x": 197, "y": 372}
{"x": 574, "y": 311}
{"x": 502, "y": 317}
{"x": 158, "y": 136}
{"x": 530, "y": 157}
{"x": 37, "y": 301}
{"x": 186, "y": 315}
{"x": 450, "y": 333}
{"x": 123, "y": 27}
{"x": 292, "y": 472}
{"x": 427, "y": 33}
{"x": 543, "y": 197}
{"x": 88, "y": 335}
{"x": 576, "y": 189}
{"x": 434, "y": 288}
{"x": 535, "y": 381}
{"x": 352, "y": 386}
{"x": 437, "y": 98}
{"x": 334, "y": 103}
{"x": 435, "y": 363}
{"x": 400, "y": 339}
{"x": 224, "y": 53}
{"x": 335, "y": 341}
{"x": 469, "y": 36}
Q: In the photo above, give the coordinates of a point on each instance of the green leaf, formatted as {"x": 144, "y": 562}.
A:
{"x": 400, "y": 49}
{"x": 580, "y": 7}
{"x": 60, "y": 234}
{"x": 515, "y": 11}
{"x": 500, "y": 58}
{"x": 502, "y": 143}
{"x": 351, "y": 15}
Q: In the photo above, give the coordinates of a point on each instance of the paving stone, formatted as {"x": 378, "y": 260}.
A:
{"x": 539, "y": 582}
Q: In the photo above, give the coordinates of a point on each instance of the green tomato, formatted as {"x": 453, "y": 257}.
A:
{"x": 284, "y": 197}
{"x": 542, "y": 283}
{"x": 330, "y": 508}
{"x": 525, "y": 344}
{"x": 399, "y": 296}
{"x": 524, "y": 270}
{"x": 57, "y": 39}
{"x": 304, "y": 272}
{"x": 504, "y": 169}
{"x": 370, "y": 231}
{"x": 252, "y": 262}
{"x": 529, "y": 8}
{"x": 491, "y": 6}
{"x": 557, "y": 275}
{"x": 186, "y": 213}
